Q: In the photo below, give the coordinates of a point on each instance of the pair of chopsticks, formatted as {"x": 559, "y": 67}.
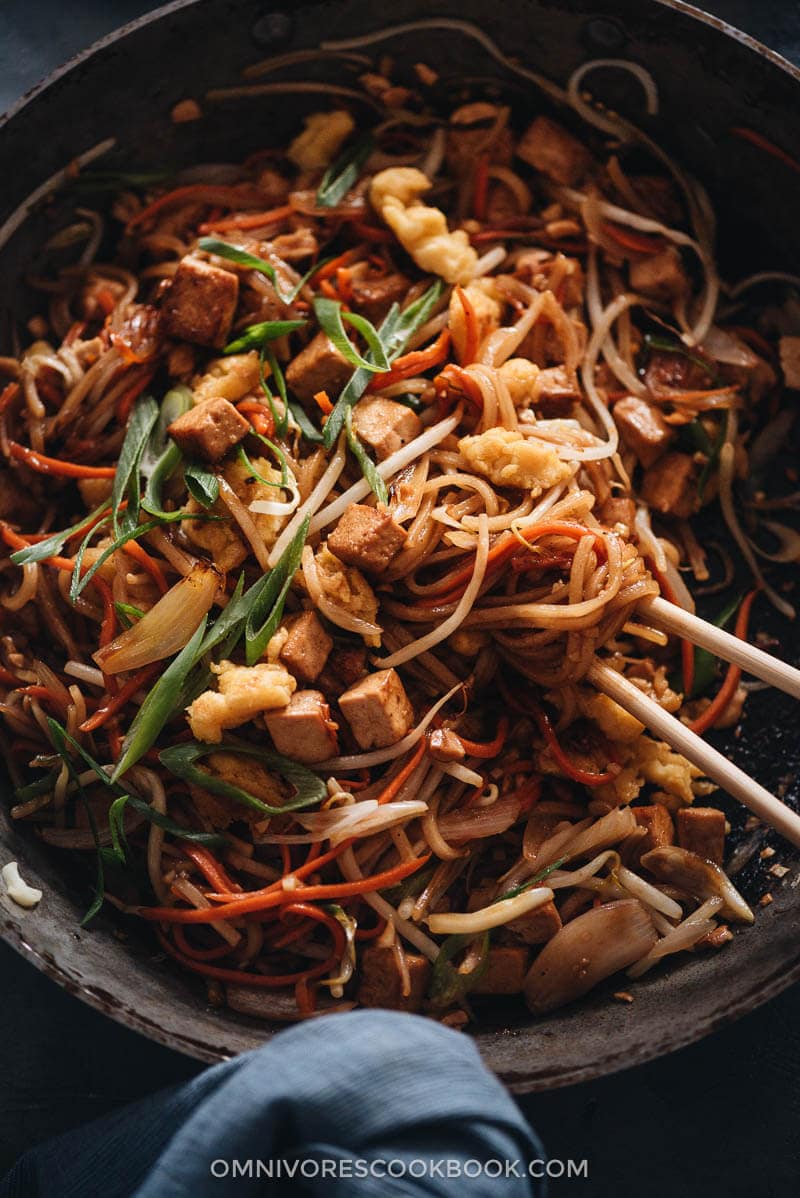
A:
{"x": 714, "y": 765}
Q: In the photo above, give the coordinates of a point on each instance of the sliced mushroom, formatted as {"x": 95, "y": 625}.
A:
{"x": 698, "y": 877}
{"x": 587, "y": 950}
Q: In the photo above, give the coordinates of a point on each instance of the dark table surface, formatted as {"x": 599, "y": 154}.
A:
{"x": 721, "y": 1117}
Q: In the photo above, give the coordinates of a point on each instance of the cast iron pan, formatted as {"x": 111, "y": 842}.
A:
{"x": 710, "y": 78}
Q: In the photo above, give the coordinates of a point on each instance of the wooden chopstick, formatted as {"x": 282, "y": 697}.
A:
{"x": 671, "y": 618}
{"x": 727, "y": 775}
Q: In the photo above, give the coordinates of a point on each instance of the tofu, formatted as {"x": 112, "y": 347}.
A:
{"x": 643, "y": 429}
{"x": 789, "y": 348}
{"x": 658, "y": 824}
{"x": 318, "y": 367}
{"x": 374, "y": 297}
{"x": 381, "y": 979}
{"x": 701, "y": 830}
{"x": 538, "y": 926}
{"x": 505, "y": 971}
{"x": 668, "y": 485}
{"x": 556, "y": 393}
{"x": 244, "y": 693}
{"x": 346, "y": 665}
{"x": 200, "y": 303}
{"x": 385, "y": 426}
{"x": 660, "y": 275}
{"x": 511, "y": 460}
{"x": 366, "y": 538}
{"x": 209, "y": 430}
{"x": 549, "y": 148}
{"x": 303, "y": 729}
{"x": 377, "y": 710}
{"x": 307, "y": 647}
{"x": 618, "y": 510}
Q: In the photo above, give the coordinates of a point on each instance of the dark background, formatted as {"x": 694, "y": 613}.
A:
{"x": 719, "y": 1118}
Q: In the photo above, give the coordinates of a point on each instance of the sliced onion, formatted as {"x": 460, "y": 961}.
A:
{"x": 478, "y": 822}
{"x": 725, "y": 347}
{"x": 684, "y": 936}
{"x": 166, "y": 627}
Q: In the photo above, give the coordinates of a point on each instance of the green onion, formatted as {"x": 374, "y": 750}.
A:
{"x": 60, "y": 736}
{"x": 309, "y": 430}
{"x": 713, "y": 458}
{"x": 162, "y": 457}
{"x": 79, "y": 581}
{"x": 309, "y": 789}
{"x": 116, "y": 813}
{"x": 448, "y": 984}
{"x": 126, "y": 479}
{"x": 265, "y": 613}
{"x": 331, "y": 316}
{"x": 201, "y": 484}
{"x": 224, "y": 249}
{"x": 159, "y": 704}
{"x": 257, "y": 335}
{"x": 394, "y": 334}
{"x": 534, "y": 881}
{"x": 52, "y": 545}
{"x": 343, "y": 174}
{"x": 705, "y": 663}
{"x": 368, "y": 467}
{"x": 128, "y": 614}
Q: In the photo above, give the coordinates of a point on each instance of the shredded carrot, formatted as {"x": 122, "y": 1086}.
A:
{"x": 528, "y": 795}
{"x": 416, "y": 362}
{"x": 323, "y": 402}
{"x": 728, "y": 689}
{"x": 371, "y": 233}
{"x": 129, "y": 397}
{"x": 200, "y": 193}
{"x": 198, "y": 954}
{"x": 114, "y": 703}
{"x": 629, "y": 239}
{"x": 255, "y": 901}
{"x": 46, "y": 694}
{"x": 585, "y": 777}
{"x": 454, "y": 383}
{"x": 305, "y": 996}
{"x": 247, "y": 220}
{"x": 328, "y": 269}
{"x": 260, "y": 416}
{"x": 480, "y": 188}
{"x": 471, "y": 326}
{"x": 400, "y": 779}
{"x": 211, "y": 869}
{"x": 328, "y": 290}
{"x": 344, "y": 284}
{"x": 54, "y": 466}
{"x": 239, "y": 977}
{"x": 489, "y": 748}
{"x": 769, "y": 147}
{"x": 148, "y": 563}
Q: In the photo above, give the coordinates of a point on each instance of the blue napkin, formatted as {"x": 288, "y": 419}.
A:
{"x": 368, "y": 1104}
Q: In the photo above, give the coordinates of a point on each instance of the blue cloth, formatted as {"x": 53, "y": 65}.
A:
{"x": 369, "y": 1104}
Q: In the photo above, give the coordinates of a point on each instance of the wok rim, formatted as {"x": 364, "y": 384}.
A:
{"x": 683, "y": 1032}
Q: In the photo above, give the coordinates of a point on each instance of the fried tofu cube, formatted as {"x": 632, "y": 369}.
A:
{"x": 385, "y": 426}
{"x": 505, "y": 971}
{"x": 318, "y": 367}
{"x": 377, "y": 710}
{"x": 618, "y": 510}
{"x": 304, "y": 730}
{"x": 660, "y": 275}
{"x": 307, "y": 647}
{"x": 537, "y": 927}
{"x": 789, "y": 348}
{"x": 209, "y": 430}
{"x": 659, "y": 827}
{"x": 668, "y": 486}
{"x": 374, "y": 297}
{"x": 549, "y": 148}
{"x": 381, "y": 979}
{"x": 701, "y": 830}
{"x": 200, "y": 303}
{"x": 644, "y": 430}
{"x": 366, "y": 538}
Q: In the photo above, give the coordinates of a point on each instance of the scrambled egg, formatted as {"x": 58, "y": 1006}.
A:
{"x": 422, "y": 231}
{"x": 487, "y": 308}
{"x": 520, "y": 376}
{"x": 613, "y": 720}
{"x": 244, "y": 692}
{"x": 221, "y": 538}
{"x": 323, "y": 137}
{"x": 231, "y": 378}
{"x": 347, "y": 587}
{"x": 510, "y": 460}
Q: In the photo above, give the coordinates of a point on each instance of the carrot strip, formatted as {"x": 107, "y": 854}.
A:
{"x": 327, "y": 288}
{"x": 260, "y": 416}
{"x": 639, "y": 243}
{"x": 400, "y": 779}
{"x": 239, "y": 977}
{"x": 129, "y": 397}
{"x": 201, "y": 193}
{"x": 247, "y": 220}
{"x": 728, "y": 689}
{"x": 489, "y": 748}
{"x": 54, "y": 466}
{"x": 198, "y": 954}
{"x": 211, "y": 869}
{"x": 115, "y": 703}
{"x": 585, "y": 777}
{"x": 148, "y": 563}
{"x": 323, "y": 402}
{"x": 344, "y": 285}
{"x": 45, "y": 693}
{"x": 769, "y": 147}
{"x": 372, "y": 233}
{"x": 471, "y": 323}
{"x": 416, "y": 362}
{"x": 279, "y": 898}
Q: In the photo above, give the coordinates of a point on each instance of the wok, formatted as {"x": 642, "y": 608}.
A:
{"x": 710, "y": 78}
